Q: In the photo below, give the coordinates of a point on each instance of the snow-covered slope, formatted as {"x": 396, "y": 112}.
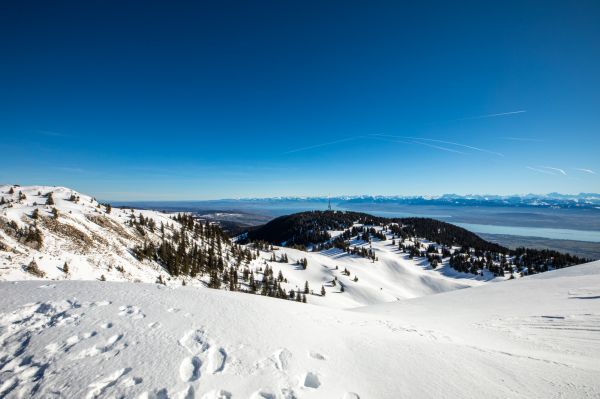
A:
{"x": 90, "y": 240}
{"x": 394, "y": 276}
{"x": 535, "y": 337}
{"x": 97, "y": 243}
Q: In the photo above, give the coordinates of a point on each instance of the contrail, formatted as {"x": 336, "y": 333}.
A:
{"x": 591, "y": 172}
{"x": 493, "y": 115}
{"x": 541, "y": 170}
{"x": 323, "y": 144}
{"x": 439, "y": 147}
{"x": 561, "y": 171}
{"x": 381, "y": 137}
{"x": 522, "y": 139}
{"x": 447, "y": 142}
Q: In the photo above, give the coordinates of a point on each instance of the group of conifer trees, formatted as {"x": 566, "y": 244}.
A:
{"x": 200, "y": 249}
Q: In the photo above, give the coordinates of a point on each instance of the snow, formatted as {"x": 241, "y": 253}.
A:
{"x": 107, "y": 254}
{"x": 532, "y": 337}
{"x": 103, "y": 249}
{"x": 401, "y": 331}
{"x": 392, "y": 277}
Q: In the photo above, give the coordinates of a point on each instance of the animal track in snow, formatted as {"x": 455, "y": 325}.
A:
{"x": 155, "y": 324}
{"x": 106, "y": 325}
{"x": 317, "y": 355}
{"x": 350, "y": 395}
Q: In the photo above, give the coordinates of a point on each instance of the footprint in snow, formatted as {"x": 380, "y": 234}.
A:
{"x": 317, "y": 355}
{"x": 280, "y": 360}
{"x": 100, "y": 387}
{"x": 310, "y": 380}
{"x": 132, "y": 312}
{"x": 217, "y": 394}
{"x": 263, "y": 394}
{"x": 204, "y": 357}
{"x": 189, "y": 369}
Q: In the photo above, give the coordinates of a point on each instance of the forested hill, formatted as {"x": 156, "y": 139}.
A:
{"x": 466, "y": 251}
{"x": 309, "y": 228}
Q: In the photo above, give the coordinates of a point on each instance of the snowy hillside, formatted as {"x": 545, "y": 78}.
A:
{"x": 534, "y": 337}
{"x": 92, "y": 241}
{"x": 39, "y": 237}
{"x": 392, "y": 277}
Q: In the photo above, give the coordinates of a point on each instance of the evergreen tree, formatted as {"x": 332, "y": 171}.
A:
{"x": 322, "y": 291}
{"x": 306, "y": 288}
{"x": 49, "y": 199}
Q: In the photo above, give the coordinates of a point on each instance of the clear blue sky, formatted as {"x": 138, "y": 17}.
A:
{"x": 168, "y": 100}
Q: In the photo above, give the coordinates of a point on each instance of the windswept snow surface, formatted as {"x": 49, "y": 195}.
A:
{"x": 535, "y": 337}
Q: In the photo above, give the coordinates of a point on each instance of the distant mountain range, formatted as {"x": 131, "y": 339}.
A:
{"x": 551, "y": 200}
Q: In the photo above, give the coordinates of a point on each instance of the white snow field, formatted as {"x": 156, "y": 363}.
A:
{"x": 535, "y": 337}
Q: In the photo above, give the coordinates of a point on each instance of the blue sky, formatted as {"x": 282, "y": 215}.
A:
{"x": 173, "y": 100}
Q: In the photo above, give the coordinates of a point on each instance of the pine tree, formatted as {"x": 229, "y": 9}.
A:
{"x": 50, "y": 199}
{"x": 108, "y": 208}
{"x": 306, "y": 289}
{"x": 11, "y": 191}
{"x": 34, "y": 269}
{"x": 66, "y": 268}
{"x": 322, "y": 291}
{"x": 55, "y": 213}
